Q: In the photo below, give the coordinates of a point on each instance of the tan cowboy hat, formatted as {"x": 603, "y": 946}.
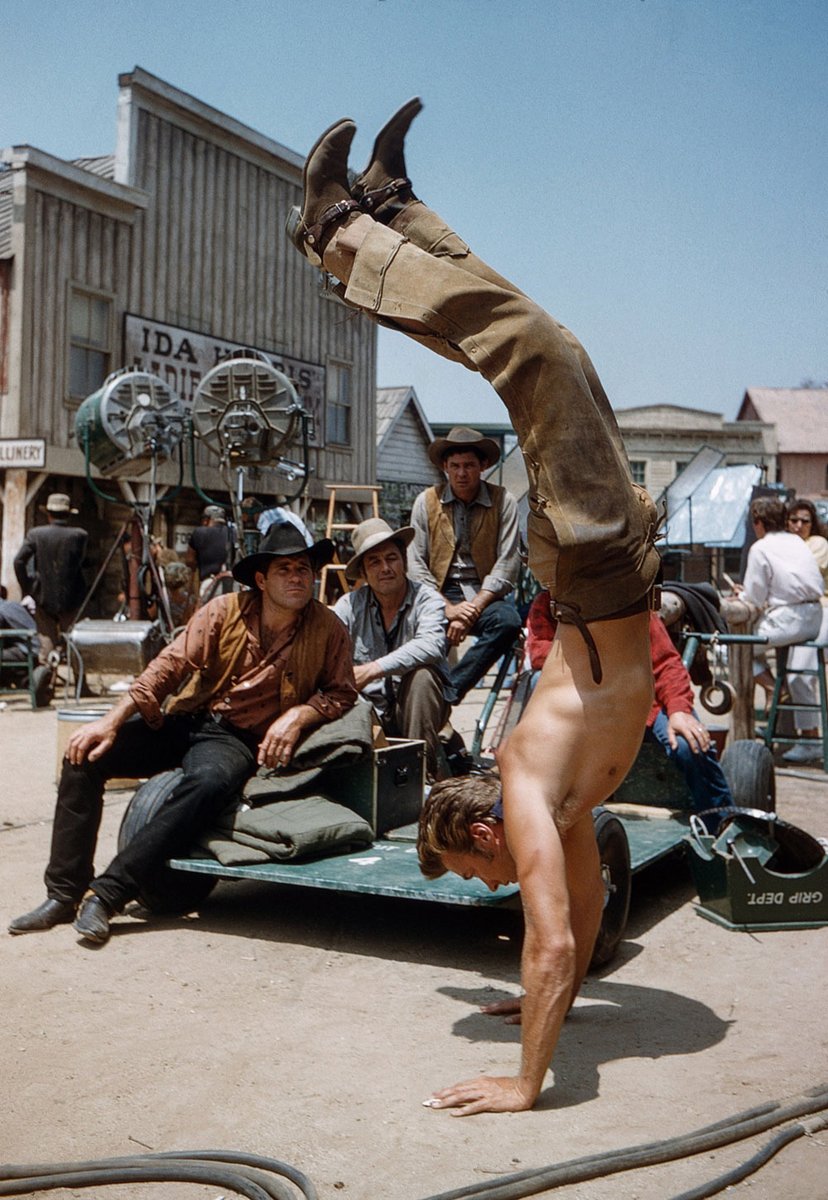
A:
{"x": 59, "y": 502}
{"x": 461, "y": 437}
{"x": 369, "y": 534}
{"x": 282, "y": 541}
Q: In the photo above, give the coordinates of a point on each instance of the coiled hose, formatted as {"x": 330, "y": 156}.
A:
{"x": 252, "y": 1176}
{"x": 248, "y": 1175}
{"x": 711, "y": 1137}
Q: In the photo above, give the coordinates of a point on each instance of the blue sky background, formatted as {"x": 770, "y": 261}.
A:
{"x": 654, "y": 172}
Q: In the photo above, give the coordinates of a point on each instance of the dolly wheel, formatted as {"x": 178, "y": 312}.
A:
{"x": 748, "y": 769}
{"x": 169, "y": 891}
{"x": 614, "y": 850}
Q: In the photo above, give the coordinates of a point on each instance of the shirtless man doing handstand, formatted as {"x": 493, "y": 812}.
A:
{"x": 591, "y": 534}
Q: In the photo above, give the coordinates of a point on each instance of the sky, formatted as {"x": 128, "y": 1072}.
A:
{"x": 653, "y": 172}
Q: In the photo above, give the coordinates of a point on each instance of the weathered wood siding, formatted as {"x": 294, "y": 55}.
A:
{"x": 403, "y": 455}
{"x": 66, "y": 243}
{"x": 210, "y": 255}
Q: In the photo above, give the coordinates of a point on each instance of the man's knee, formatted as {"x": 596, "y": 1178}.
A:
{"x": 500, "y": 617}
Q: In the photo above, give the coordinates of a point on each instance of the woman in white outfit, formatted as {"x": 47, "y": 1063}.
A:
{"x": 804, "y": 523}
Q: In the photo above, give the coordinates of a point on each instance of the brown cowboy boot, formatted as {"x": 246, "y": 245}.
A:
{"x": 383, "y": 189}
{"x": 326, "y": 199}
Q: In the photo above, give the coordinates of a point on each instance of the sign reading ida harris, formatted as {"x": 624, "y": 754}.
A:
{"x": 27, "y": 454}
{"x": 182, "y": 358}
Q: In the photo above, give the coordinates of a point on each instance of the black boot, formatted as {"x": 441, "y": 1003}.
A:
{"x": 383, "y": 189}
{"x": 45, "y": 916}
{"x": 326, "y": 199}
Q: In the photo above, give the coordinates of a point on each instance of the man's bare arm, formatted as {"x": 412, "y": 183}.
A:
{"x": 586, "y": 906}
{"x": 548, "y": 966}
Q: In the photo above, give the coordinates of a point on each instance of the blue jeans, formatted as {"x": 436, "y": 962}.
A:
{"x": 217, "y": 760}
{"x": 703, "y": 773}
{"x": 494, "y": 633}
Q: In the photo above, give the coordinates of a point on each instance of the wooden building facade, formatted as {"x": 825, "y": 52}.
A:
{"x": 167, "y": 255}
{"x": 403, "y": 466}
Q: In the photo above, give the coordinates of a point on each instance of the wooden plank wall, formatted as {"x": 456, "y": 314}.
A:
{"x": 209, "y": 254}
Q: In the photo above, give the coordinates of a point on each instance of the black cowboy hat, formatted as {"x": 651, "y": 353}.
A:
{"x": 282, "y": 541}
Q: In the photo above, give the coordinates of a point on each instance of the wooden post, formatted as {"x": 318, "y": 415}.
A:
{"x": 740, "y": 617}
{"x": 14, "y": 525}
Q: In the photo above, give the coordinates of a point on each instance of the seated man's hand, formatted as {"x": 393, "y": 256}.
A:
{"x": 465, "y": 612}
{"x": 488, "y": 1093}
{"x": 91, "y": 741}
{"x": 691, "y": 729}
{"x": 456, "y": 632}
{"x": 277, "y": 746}
{"x": 365, "y": 673}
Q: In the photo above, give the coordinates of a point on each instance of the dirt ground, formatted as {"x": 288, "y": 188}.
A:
{"x": 310, "y": 1026}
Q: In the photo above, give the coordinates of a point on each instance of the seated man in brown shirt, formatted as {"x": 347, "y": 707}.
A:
{"x": 259, "y": 669}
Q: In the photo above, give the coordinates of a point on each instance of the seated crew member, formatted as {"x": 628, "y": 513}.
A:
{"x": 16, "y": 617}
{"x": 398, "y": 630}
{"x": 466, "y": 547}
{"x": 260, "y": 668}
{"x": 673, "y": 722}
{"x": 590, "y": 535}
{"x": 782, "y": 580}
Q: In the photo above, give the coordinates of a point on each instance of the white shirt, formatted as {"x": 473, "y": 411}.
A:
{"x": 781, "y": 570}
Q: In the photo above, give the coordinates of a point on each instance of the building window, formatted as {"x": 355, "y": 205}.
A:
{"x": 638, "y": 469}
{"x": 90, "y": 341}
{"x": 338, "y": 406}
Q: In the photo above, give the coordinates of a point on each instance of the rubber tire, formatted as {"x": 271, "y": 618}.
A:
{"x": 614, "y": 850}
{"x": 43, "y": 679}
{"x": 170, "y": 892}
{"x": 748, "y": 769}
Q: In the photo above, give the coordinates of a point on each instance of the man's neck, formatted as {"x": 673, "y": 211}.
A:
{"x": 389, "y": 606}
{"x": 274, "y": 619}
{"x": 465, "y": 499}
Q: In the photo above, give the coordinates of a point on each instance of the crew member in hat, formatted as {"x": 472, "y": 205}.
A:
{"x": 466, "y": 547}
{"x": 49, "y": 568}
{"x": 210, "y": 553}
{"x": 398, "y": 630}
{"x": 249, "y": 676}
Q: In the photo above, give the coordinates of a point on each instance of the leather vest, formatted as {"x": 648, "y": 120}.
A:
{"x": 484, "y": 533}
{"x": 303, "y": 666}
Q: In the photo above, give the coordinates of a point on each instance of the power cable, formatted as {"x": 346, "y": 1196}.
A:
{"x": 711, "y": 1137}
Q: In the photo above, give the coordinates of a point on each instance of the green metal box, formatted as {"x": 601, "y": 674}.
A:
{"x": 740, "y": 892}
{"x": 386, "y": 790}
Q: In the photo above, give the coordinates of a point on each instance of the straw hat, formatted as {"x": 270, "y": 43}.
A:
{"x": 59, "y": 502}
{"x": 369, "y": 534}
{"x": 461, "y": 437}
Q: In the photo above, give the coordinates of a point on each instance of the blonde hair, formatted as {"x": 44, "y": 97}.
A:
{"x": 448, "y": 814}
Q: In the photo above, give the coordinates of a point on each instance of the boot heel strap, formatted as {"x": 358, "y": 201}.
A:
{"x": 370, "y": 201}
{"x": 313, "y": 234}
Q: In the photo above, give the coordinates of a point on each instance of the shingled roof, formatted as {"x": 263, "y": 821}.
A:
{"x": 799, "y": 414}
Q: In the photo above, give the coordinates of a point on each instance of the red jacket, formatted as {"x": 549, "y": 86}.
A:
{"x": 673, "y": 692}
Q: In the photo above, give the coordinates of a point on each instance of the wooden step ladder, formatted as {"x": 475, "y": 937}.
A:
{"x": 333, "y": 526}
